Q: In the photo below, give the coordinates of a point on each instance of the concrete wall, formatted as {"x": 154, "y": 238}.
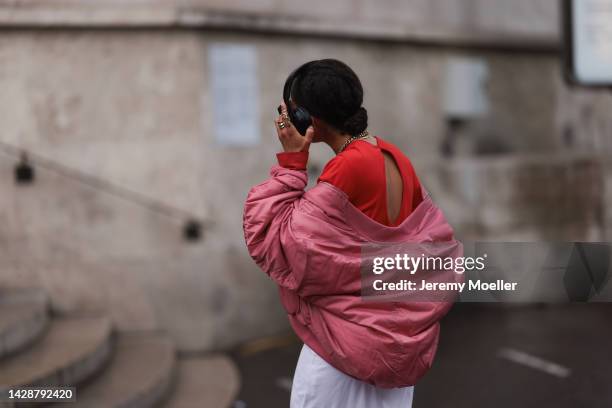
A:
{"x": 484, "y": 22}
{"x": 133, "y": 108}
{"x": 527, "y": 198}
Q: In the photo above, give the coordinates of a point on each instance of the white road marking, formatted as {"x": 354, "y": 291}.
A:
{"x": 284, "y": 383}
{"x": 534, "y": 362}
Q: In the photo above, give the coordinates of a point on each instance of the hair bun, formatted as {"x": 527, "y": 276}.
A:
{"x": 356, "y": 123}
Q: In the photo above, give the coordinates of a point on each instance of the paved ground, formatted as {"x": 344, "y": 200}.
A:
{"x": 489, "y": 356}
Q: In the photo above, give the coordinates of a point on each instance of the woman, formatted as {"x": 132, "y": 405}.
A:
{"x": 355, "y": 353}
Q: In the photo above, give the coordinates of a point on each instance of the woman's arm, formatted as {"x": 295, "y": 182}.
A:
{"x": 266, "y": 223}
{"x": 269, "y": 207}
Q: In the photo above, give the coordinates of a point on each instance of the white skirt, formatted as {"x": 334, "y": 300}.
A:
{"x": 316, "y": 384}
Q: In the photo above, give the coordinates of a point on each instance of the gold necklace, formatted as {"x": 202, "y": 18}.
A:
{"x": 363, "y": 135}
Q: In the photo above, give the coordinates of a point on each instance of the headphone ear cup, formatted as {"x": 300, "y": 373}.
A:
{"x": 301, "y": 119}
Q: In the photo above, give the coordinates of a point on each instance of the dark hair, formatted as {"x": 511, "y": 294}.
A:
{"x": 330, "y": 90}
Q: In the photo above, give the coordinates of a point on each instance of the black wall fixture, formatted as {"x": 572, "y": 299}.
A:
{"x": 192, "y": 230}
{"x": 24, "y": 171}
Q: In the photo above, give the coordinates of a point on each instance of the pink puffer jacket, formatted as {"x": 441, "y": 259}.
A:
{"x": 309, "y": 243}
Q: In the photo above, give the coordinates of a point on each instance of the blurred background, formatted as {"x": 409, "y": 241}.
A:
{"x": 131, "y": 132}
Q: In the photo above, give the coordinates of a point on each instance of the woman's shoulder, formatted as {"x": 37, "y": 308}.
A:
{"x": 353, "y": 170}
{"x": 396, "y": 152}
{"x": 339, "y": 165}
{"x": 353, "y": 160}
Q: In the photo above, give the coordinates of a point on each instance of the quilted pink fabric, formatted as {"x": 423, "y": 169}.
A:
{"x": 310, "y": 244}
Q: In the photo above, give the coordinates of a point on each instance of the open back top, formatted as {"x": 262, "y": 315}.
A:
{"x": 378, "y": 179}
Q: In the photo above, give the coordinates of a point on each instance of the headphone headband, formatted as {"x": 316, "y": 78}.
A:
{"x": 291, "y": 79}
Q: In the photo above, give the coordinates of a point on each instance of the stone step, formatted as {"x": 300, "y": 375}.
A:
{"x": 205, "y": 382}
{"x": 71, "y": 350}
{"x": 139, "y": 374}
{"x": 23, "y": 319}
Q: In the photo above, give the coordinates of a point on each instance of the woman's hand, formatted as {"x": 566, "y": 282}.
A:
{"x": 288, "y": 135}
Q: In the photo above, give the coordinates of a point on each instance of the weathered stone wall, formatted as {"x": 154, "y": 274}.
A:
{"x": 529, "y": 197}
{"x": 607, "y": 211}
{"x": 488, "y": 22}
{"x": 94, "y": 251}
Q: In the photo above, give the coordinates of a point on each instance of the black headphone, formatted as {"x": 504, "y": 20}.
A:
{"x": 300, "y": 117}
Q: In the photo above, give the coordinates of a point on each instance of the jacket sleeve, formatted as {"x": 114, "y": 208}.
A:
{"x": 268, "y": 213}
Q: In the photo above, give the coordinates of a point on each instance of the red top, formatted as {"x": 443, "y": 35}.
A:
{"x": 359, "y": 171}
